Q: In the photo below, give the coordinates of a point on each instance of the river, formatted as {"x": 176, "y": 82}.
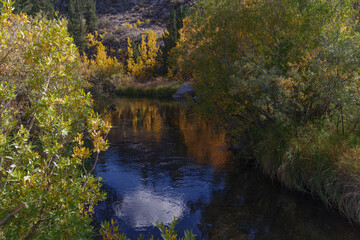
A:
{"x": 165, "y": 162}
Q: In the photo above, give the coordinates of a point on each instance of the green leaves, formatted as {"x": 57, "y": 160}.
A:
{"x": 258, "y": 62}
{"x": 169, "y": 233}
{"x": 43, "y": 109}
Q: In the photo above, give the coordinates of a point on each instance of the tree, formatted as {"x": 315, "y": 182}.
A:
{"x": 255, "y": 60}
{"x": 143, "y": 64}
{"x": 76, "y": 24}
{"x": 48, "y": 131}
{"x": 171, "y": 35}
{"x": 91, "y": 18}
{"x": 82, "y": 20}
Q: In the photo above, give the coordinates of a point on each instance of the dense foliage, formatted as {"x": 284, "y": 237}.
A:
{"x": 82, "y": 20}
{"x": 48, "y": 131}
{"x": 280, "y": 60}
{"x": 33, "y": 7}
{"x": 81, "y": 15}
{"x": 281, "y": 76}
{"x": 283, "y": 73}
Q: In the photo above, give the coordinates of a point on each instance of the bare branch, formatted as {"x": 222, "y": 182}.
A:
{"x": 8, "y": 217}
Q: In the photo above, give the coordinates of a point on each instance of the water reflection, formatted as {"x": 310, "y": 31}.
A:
{"x": 164, "y": 162}
{"x": 137, "y": 120}
{"x": 251, "y": 207}
{"x": 143, "y": 208}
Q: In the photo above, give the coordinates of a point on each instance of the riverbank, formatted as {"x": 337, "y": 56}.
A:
{"x": 291, "y": 85}
{"x": 314, "y": 161}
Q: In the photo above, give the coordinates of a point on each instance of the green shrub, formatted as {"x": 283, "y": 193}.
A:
{"x": 45, "y": 120}
{"x": 285, "y": 74}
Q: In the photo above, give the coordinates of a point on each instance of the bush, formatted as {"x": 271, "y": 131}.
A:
{"x": 285, "y": 74}
{"x": 291, "y": 66}
{"x": 45, "y": 121}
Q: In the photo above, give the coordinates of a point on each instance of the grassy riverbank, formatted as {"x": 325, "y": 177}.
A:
{"x": 316, "y": 161}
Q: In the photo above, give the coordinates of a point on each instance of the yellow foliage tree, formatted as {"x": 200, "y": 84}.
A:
{"x": 178, "y": 68}
{"x": 130, "y": 61}
{"x": 152, "y": 50}
{"x": 141, "y": 66}
{"x": 102, "y": 65}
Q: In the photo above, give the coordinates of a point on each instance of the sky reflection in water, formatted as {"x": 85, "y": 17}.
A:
{"x": 142, "y": 208}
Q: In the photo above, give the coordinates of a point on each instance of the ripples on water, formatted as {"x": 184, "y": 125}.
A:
{"x": 164, "y": 162}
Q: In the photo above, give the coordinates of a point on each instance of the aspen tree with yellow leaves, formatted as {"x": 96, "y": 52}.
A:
{"x": 102, "y": 64}
{"x": 101, "y": 68}
{"x": 142, "y": 65}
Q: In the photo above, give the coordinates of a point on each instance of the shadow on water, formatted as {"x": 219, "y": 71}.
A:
{"x": 165, "y": 162}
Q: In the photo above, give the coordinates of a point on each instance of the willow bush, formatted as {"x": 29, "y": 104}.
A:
{"x": 48, "y": 131}
{"x": 285, "y": 73}
{"x": 264, "y": 61}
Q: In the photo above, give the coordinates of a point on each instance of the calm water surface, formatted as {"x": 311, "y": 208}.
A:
{"x": 165, "y": 162}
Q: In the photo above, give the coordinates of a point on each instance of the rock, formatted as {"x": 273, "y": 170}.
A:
{"x": 183, "y": 92}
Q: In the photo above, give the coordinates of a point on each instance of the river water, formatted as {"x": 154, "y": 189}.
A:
{"x": 166, "y": 162}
